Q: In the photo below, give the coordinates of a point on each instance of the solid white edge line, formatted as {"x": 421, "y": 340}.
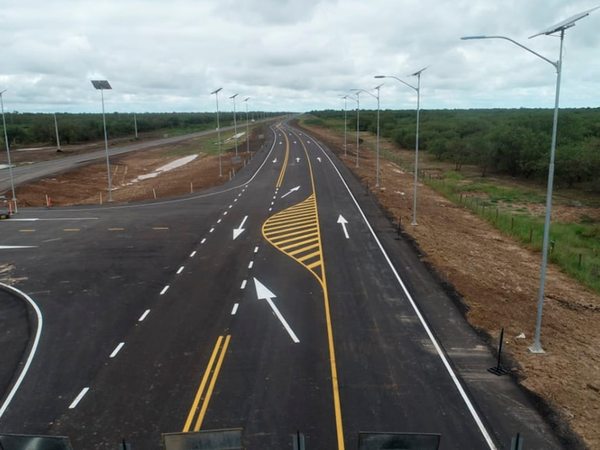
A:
{"x": 36, "y": 341}
{"x": 79, "y": 397}
{"x": 165, "y": 289}
{"x": 117, "y": 349}
{"x": 243, "y": 284}
{"x": 143, "y": 316}
{"x": 180, "y": 270}
{"x": 441, "y": 354}
{"x": 234, "y": 309}
{"x": 193, "y": 254}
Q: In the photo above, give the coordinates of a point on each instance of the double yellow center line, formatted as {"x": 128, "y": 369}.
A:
{"x": 285, "y": 160}
{"x": 207, "y": 385}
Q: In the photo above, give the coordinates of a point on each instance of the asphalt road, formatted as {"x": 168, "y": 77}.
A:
{"x": 157, "y": 320}
{"x": 31, "y": 172}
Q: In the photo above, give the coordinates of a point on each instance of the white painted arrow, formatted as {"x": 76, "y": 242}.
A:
{"x": 319, "y": 158}
{"x": 263, "y": 293}
{"x": 343, "y": 222}
{"x": 10, "y": 247}
{"x": 239, "y": 230}
{"x": 297, "y": 160}
{"x": 290, "y": 191}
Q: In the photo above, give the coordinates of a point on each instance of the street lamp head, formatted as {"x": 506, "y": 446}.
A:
{"x": 216, "y": 91}
{"x": 468, "y": 38}
{"x": 380, "y": 76}
{"x": 377, "y": 87}
{"x": 418, "y": 72}
{"x": 3, "y": 91}
{"x": 567, "y": 23}
{"x": 101, "y": 84}
{"x": 234, "y": 95}
{"x": 246, "y": 99}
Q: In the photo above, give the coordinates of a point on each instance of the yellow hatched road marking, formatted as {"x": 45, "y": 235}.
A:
{"x": 298, "y": 231}
{"x": 285, "y": 241}
{"x": 299, "y": 244}
{"x": 305, "y": 249}
{"x": 293, "y": 223}
{"x": 210, "y": 376}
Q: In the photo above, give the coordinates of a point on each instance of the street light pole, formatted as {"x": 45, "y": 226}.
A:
{"x": 377, "y": 88}
{"x": 536, "y": 347}
{"x": 247, "y": 127}
{"x": 345, "y": 97}
{"x": 56, "y": 130}
{"x": 10, "y": 171}
{"x": 357, "y": 124}
{"x": 216, "y": 94}
{"x": 101, "y": 85}
{"x": 235, "y": 124}
{"x": 416, "y": 88}
{"x": 135, "y": 125}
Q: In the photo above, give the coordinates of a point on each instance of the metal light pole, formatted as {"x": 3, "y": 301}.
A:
{"x": 56, "y": 130}
{"x": 235, "y": 124}
{"x": 357, "y": 124}
{"x": 10, "y": 171}
{"x": 345, "y": 97}
{"x": 560, "y": 27}
{"x": 216, "y": 94}
{"x": 135, "y": 125}
{"x": 247, "y": 127}
{"x": 377, "y": 88}
{"x": 417, "y": 88}
{"x": 101, "y": 85}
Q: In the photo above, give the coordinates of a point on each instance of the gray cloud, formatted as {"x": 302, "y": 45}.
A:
{"x": 289, "y": 55}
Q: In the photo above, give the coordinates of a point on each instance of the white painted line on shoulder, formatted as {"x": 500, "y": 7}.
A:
{"x": 193, "y": 254}
{"x": 144, "y": 315}
{"x": 211, "y": 230}
{"x": 165, "y": 289}
{"x": 235, "y": 308}
{"x": 203, "y": 240}
{"x": 117, "y": 349}
{"x": 32, "y": 351}
{"x": 243, "y": 286}
{"x": 256, "y": 249}
{"x": 250, "y": 264}
{"x": 180, "y": 270}
{"x": 79, "y": 397}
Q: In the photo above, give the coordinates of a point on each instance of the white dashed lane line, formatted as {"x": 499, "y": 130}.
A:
{"x": 203, "y": 240}
{"x": 144, "y": 315}
{"x": 165, "y": 289}
{"x": 250, "y": 264}
{"x": 117, "y": 349}
{"x": 180, "y": 270}
{"x": 219, "y": 221}
{"x": 193, "y": 254}
{"x": 235, "y": 308}
{"x": 79, "y": 397}
{"x": 243, "y": 286}
{"x": 256, "y": 249}
{"x": 211, "y": 230}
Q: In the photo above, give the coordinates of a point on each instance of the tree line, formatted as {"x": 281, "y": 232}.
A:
{"x": 515, "y": 142}
{"x": 27, "y": 129}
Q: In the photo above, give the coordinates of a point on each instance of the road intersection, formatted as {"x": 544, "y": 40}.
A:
{"x": 270, "y": 304}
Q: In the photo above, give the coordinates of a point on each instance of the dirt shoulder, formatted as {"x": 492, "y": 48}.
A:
{"x": 498, "y": 280}
{"x": 133, "y": 174}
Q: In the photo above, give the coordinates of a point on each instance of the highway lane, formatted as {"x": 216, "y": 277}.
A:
{"x": 93, "y": 279}
{"x": 31, "y": 172}
{"x": 336, "y": 350}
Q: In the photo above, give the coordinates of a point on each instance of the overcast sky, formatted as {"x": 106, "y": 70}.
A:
{"x": 293, "y": 55}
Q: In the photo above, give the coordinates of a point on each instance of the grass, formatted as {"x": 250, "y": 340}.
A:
{"x": 575, "y": 247}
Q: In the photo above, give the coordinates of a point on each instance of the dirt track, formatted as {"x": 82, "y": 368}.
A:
{"x": 498, "y": 280}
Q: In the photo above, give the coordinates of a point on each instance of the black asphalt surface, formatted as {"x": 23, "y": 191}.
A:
{"x": 96, "y": 272}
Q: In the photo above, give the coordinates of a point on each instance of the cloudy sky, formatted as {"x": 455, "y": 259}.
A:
{"x": 293, "y": 55}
